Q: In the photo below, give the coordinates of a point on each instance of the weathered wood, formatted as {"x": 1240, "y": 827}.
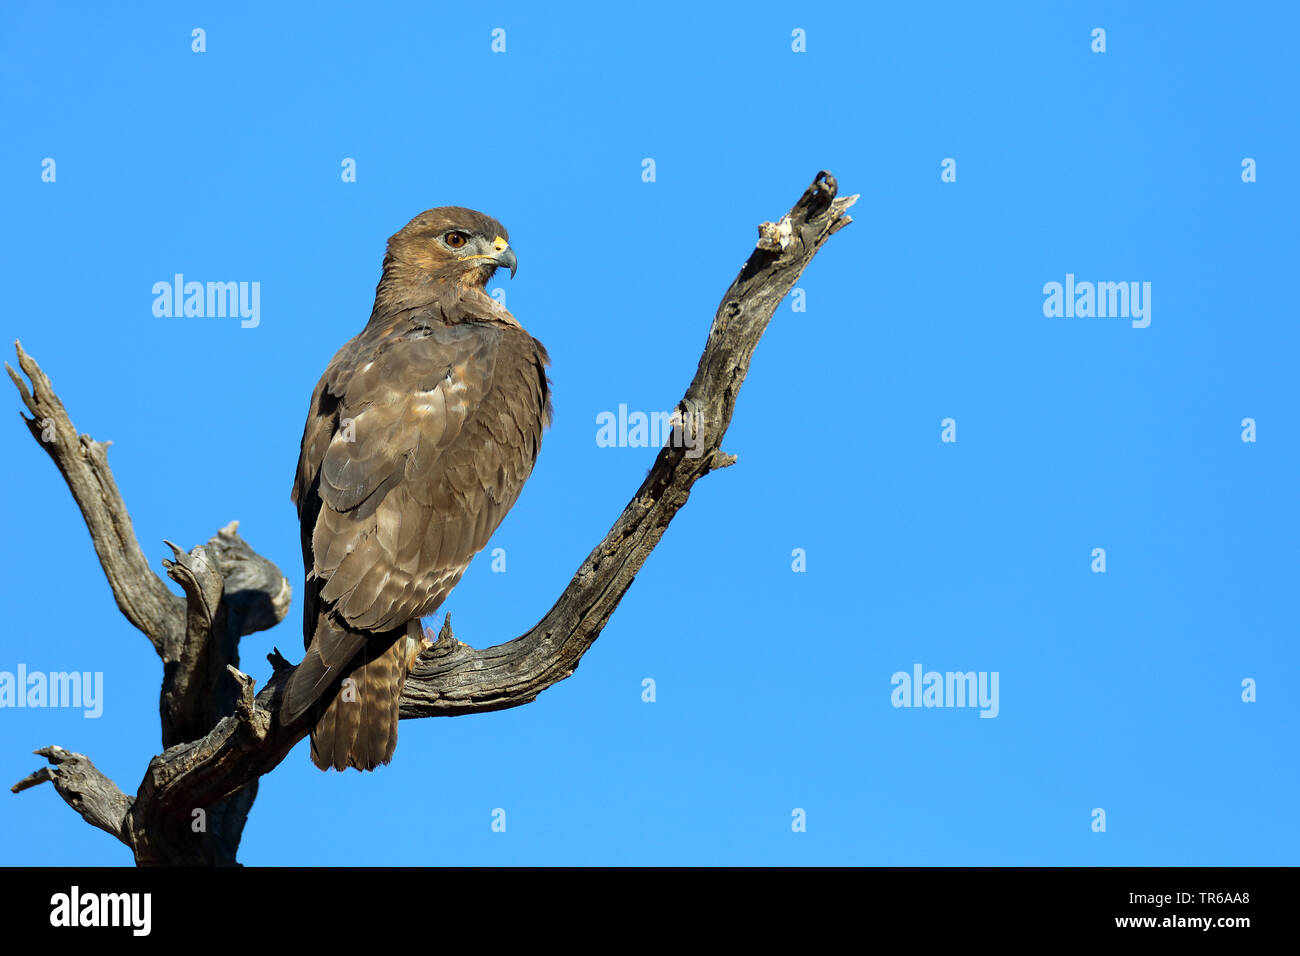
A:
{"x": 141, "y": 595}
{"x": 84, "y": 788}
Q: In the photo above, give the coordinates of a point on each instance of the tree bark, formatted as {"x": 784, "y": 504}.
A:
{"x": 219, "y": 737}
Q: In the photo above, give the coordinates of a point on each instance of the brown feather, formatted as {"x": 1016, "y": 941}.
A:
{"x": 358, "y": 727}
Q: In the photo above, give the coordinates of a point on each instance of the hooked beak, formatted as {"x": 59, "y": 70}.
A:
{"x": 506, "y": 260}
{"x": 501, "y": 256}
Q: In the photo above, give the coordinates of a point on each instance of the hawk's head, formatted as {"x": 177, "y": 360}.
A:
{"x": 452, "y": 244}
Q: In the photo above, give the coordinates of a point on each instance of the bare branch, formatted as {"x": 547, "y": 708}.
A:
{"x": 83, "y": 788}
{"x": 140, "y": 594}
{"x": 256, "y": 594}
{"x": 456, "y": 679}
{"x": 191, "y": 672}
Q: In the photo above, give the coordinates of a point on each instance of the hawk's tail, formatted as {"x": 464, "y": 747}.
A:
{"x": 358, "y": 727}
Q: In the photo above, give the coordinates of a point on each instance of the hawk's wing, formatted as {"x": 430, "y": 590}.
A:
{"x": 417, "y": 445}
{"x": 401, "y": 501}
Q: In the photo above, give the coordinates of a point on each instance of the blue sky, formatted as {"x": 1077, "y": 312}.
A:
{"x": 1119, "y": 690}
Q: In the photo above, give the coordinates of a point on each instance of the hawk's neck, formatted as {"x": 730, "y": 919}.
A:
{"x": 399, "y": 297}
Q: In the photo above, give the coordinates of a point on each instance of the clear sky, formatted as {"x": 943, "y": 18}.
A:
{"x": 1120, "y": 691}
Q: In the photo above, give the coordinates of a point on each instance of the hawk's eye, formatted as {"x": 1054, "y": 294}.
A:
{"x": 455, "y": 239}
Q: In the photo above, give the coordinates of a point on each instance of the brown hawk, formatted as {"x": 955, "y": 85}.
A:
{"x": 419, "y": 438}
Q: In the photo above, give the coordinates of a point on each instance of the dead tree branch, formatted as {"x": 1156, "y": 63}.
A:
{"x": 219, "y": 737}
{"x": 141, "y": 595}
{"x": 84, "y": 788}
{"x": 230, "y": 591}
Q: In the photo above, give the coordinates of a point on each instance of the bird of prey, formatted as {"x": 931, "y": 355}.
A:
{"x": 419, "y": 438}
